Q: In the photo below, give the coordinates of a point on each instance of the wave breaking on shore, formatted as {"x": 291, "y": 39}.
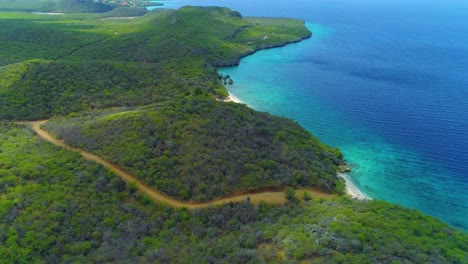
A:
{"x": 233, "y": 98}
{"x": 351, "y": 189}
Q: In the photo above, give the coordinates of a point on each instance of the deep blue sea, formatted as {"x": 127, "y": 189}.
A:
{"x": 385, "y": 81}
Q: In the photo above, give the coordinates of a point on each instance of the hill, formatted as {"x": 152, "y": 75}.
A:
{"x": 69, "y": 6}
{"x": 200, "y": 149}
{"x": 142, "y": 92}
{"x": 37, "y": 89}
{"x": 57, "y": 207}
{"x": 83, "y": 62}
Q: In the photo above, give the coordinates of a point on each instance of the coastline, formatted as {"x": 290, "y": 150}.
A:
{"x": 236, "y": 61}
{"x": 233, "y": 98}
{"x": 351, "y": 189}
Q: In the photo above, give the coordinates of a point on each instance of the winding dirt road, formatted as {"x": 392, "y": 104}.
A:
{"x": 255, "y": 198}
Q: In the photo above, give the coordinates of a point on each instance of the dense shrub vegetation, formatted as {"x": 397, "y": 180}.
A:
{"x": 156, "y": 77}
{"x": 28, "y": 36}
{"x": 87, "y": 63}
{"x": 56, "y": 207}
{"x": 71, "y": 6}
{"x": 75, "y": 6}
{"x": 124, "y": 12}
{"x": 40, "y": 89}
{"x": 218, "y": 36}
{"x": 201, "y": 149}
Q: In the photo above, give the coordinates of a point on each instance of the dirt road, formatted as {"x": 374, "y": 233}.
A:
{"x": 255, "y": 198}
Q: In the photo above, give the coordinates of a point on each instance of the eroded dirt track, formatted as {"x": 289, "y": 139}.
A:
{"x": 255, "y": 198}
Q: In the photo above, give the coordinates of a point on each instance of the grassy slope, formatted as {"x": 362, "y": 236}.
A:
{"x": 56, "y": 207}
{"x": 27, "y": 36}
{"x": 201, "y": 150}
{"x": 216, "y": 35}
{"x": 174, "y": 52}
{"x": 124, "y": 12}
{"x": 71, "y": 6}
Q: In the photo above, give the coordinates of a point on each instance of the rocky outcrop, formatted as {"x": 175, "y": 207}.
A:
{"x": 343, "y": 169}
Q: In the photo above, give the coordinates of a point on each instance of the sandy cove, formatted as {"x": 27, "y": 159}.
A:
{"x": 232, "y": 98}
{"x": 351, "y": 189}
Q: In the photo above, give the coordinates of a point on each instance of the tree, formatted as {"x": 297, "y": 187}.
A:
{"x": 290, "y": 194}
{"x": 132, "y": 187}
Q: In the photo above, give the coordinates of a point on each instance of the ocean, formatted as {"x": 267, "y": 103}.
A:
{"x": 384, "y": 81}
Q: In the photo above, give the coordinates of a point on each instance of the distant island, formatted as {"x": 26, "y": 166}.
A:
{"x": 145, "y": 162}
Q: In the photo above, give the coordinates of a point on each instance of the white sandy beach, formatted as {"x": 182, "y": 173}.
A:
{"x": 351, "y": 189}
{"x": 232, "y": 98}
{"x": 46, "y": 13}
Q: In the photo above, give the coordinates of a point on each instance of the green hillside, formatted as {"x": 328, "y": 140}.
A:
{"x": 56, "y": 207}
{"x": 144, "y": 93}
{"x": 216, "y": 35}
{"x": 69, "y": 6}
{"x": 38, "y": 89}
{"x": 27, "y": 36}
{"x": 201, "y": 149}
{"x": 84, "y": 62}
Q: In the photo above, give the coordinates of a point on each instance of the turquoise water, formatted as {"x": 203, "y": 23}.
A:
{"x": 385, "y": 82}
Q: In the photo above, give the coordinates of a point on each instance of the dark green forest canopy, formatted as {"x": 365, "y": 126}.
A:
{"x": 55, "y": 65}
{"x": 39, "y": 89}
{"x": 202, "y": 149}
{"x": 56, "y": 207}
